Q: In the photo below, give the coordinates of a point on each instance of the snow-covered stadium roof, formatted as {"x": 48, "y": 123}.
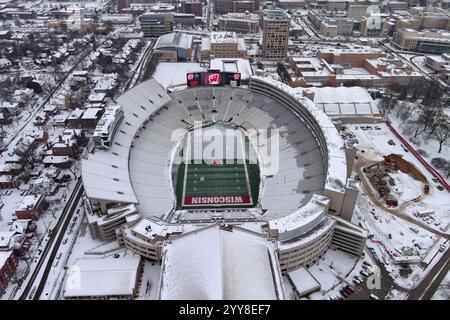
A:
{"x": 211, "y": 263}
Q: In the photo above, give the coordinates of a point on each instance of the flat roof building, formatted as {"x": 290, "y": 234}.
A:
{"x": 156, "y": 24}
{"x": 108, "y": 278}
{"x": 239, "y": 22}
{"x": 174, "y": 46}
{"x": 222, "y": 45}
{"x": 429, "y": 41}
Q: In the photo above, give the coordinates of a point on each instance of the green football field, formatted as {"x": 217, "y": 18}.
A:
{"x": 215, "y": 182}
{"x": 217, "y": 185}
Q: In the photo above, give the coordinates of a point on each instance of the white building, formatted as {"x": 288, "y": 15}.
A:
{"x": 109, "y": 278}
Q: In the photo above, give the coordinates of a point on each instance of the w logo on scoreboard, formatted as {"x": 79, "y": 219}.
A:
{"x": 214, "y": 78}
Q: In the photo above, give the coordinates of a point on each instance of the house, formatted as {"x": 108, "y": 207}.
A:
{"x": 65, "y": 145}
{"x": 10, "y": 108}
{"x": 97, "y": 97}
{"x": 50, "y": 109}
{"x": 5, "y": 65}
{"x": 14, "y": 241}
{"x": 37, "y": 137}
{"x": 41, "y": 119}
{"x": 23, "y": 94}
{"x": 77, "y": 134}
{"x": 62, "y": 162}
{"x": 23, "y": 226}
{"x": 74, "y": 119}
{"x": 43, "y": 185}
{"x": 30, "y": 207}
{"x": 9, "y": 182}
{"x": 8, "y": 265}
{"x": 106, "y": 84}
{"x": 90, "y": 117}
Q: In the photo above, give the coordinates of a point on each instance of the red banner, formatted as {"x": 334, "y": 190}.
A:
{"x": 217, "y": 200}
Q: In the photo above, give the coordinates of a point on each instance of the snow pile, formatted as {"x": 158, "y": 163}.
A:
{"x": 406, "y": 187}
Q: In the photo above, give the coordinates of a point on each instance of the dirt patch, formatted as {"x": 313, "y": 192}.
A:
{"x": 405, "y": 167}
{"x": 381, "y": 175}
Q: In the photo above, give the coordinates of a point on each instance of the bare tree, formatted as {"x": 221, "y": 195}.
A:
{"x": 442, "y": 133}
{"x": 426, "y": 119}
{"x": 401, "y": 108}
{"x": 388, "y": 102}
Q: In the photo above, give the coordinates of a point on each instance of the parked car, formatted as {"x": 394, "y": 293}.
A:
{"x": 349, "y": 288}
{"x": 364, "y": 273}
{"x": 374, "y": 297}
{"x": 343, "y": 293}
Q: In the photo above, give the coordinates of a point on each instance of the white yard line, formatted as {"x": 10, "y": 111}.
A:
{"x": 249, "y": 190}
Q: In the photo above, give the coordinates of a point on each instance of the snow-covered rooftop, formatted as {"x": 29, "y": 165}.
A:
{"x": 4, "y": 256}
{"x": 212, "y": 263}
{"x": 303, "y": 281}
{"x": 232, "y": 65}
{"x": 223, "y": 37}
{"x": 343, "y": 100}
{"x": 174, "y": 40}
{"x": 102, "y": 277}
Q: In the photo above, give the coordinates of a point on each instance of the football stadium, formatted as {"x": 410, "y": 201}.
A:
{"x": 261, "y": 161}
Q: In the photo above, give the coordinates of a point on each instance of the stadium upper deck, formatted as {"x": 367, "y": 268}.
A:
{"x": 138, "y": 167}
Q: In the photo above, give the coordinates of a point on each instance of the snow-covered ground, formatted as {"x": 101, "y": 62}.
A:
{"x": 443, "y": 291}
{"x": 429, "y": 147}
{"x": 397, "y": 231}
{"x": 335, "y": 270}
{"x": 374, "y": 143}
{"x": 406, "y": 187}
{"x": 389, "y": 233}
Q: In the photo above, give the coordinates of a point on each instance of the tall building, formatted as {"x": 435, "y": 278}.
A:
{"x": 123, "y": 4}
{"x": 194, "y": 7}
{"x": 275, "y": 34}
{"x": 156, "y": 24}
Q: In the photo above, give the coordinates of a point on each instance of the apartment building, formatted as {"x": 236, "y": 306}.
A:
{"x": 276, "y": 25}
{"x": 239, "y": 23}
{"x": 156, "y": 24}
{"x": 194, "y": 7}
{"x": 222, "y": 45}
{"x": 227, "y": 6}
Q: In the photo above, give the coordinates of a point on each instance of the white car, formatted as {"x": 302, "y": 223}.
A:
{"x": 374, "y": 297}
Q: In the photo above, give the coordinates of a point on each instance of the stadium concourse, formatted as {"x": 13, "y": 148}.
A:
{"x": 146, "y": 187}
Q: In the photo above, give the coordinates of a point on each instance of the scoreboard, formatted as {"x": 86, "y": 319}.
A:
{"x": 213, "y": 78}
